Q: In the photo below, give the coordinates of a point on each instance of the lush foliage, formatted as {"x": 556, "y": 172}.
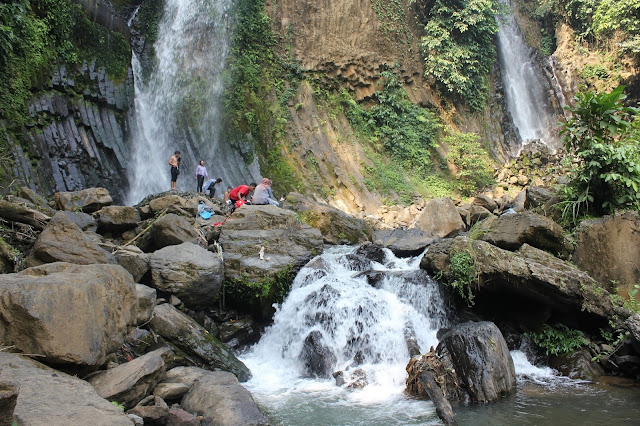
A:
{"x": 258, "y": 87}
{"x": 36, "y": 35}
{"x": 461, "y": 275}
{"x": 604, "y": 134}
{"x": 471, "y": 160}
{"x": 458, "y": 45}
{"x": 558, "y": 339}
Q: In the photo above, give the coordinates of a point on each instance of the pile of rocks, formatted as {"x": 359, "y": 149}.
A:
{"x": 92, "y": 302}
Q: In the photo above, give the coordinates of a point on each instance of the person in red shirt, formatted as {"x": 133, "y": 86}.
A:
{"x": 241, "y": 192}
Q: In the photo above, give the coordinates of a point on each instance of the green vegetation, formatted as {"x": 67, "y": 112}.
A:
{"x": 603, "y": 134}
{"x": 461, "y": 275}
{"x": 259, "y": 296}
{"x": 471, "y": 160}
{"x": 117, "y": 404}
{"x": 458, "y": 45}
{"x": 35, "y": 36}
{"x": 259, "y": 85}
{"x": 558, "y": 339}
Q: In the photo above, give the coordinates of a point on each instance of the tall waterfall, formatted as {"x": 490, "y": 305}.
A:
{"x": 526, "y": 89}
{"x": 179, "y": 107}
{"x": 365, "y": 327}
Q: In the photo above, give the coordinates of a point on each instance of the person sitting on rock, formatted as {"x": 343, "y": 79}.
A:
{"x": 263, "y": 194}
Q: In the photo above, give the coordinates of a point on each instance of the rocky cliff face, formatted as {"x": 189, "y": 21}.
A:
{"x": 76, "y": 137}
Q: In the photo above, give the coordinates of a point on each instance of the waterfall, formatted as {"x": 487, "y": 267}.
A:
{"x": 365, "y": 327}
{"x": 527, "y": 92}
{"x": 179, "y": 107}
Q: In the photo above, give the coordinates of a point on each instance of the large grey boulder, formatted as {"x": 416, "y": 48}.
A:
{"x": 172, "y": 229}
{"x": 221, "y": 400}
{"x": 130, "y": 382}
{"x": 264, "y": 246}
{"x": 191, "y": 272}
{"x": 609, "y": 248}
{"x": 199, "y": 345}
{"x": 285, "y": 239}
{"x": 50, "y": 397}
{"x": 63, "y": 241}
{"x": 527, "y": 280}
{"x": 165, "y": 202}
{"x": 87, "y": 200}
{"x": 147, "y": 298}
{"x": 317, "y": 358}
{"x": 439, "y": 218}
{"x": 69, "y": 314}
{"x": 480, "y": 357}
{"x": 513, "y": 230}
{"x": 404, "y": 242}
{"x": 336, "y": 226}
{"x": 133, "y": 260}
{"x": 117, "y": 218}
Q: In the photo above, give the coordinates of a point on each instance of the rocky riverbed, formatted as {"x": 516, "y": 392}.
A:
{"x": 123, "y": 315}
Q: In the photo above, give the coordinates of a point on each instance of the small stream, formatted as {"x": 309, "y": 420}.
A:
{"x": 329, "y": 296}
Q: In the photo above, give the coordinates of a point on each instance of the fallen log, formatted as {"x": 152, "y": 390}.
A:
{"x": 18, "y": 213}
{"x": 443, "y": 408}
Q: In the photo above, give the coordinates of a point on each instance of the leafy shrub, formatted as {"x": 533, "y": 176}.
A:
{"x": 461, "y": 275}
{"x": 558, "y": 339}
{"x": 471, "y": 161}
{"x": 603, "y": 133}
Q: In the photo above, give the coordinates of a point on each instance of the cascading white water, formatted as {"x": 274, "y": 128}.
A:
{"x": 528, "y": 99}
{"x": 185, "y": 86}
{"x": 353, "y": 318}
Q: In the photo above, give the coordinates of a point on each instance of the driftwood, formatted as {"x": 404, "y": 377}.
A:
{"x": 18, "y": 213}
{"x": 443, "y": 408}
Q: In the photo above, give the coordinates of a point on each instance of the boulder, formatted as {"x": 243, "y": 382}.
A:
{"x": 152, "y": 409}
{"x": 50, "y": 397}
{"x": 130, "y": 382}
{"x": 404, "y": 242}
{"x": 472, "y": 362}
{"x": 336, "y": 226}
{"x": 485, "y": 202}
{"x": 199, "y": 346}
{"x": 8, "y": 399}
{"x": 188, "y": 271}
{"x": 480, "y": 357}
{"x": 62, "y": 241}
{"x": 264, "y": 247}
{"x": 161, "y": 203}
{"x": 117, "y": 218}
{"x": 87, "y": 200}
{"x": 372, "y": 252}
{"x": 179, "y": 417}
{"x": 476, "y": 214}
{"x": 133, "y": 260}
{"x": 147, "y": 299}
{"x": 608, "y": 248}
{"x": 221, "y": 400}
{"x": 69, "y": 314}
{"x": 184, "y": 375}
{"x": 633, "y": 325}
{"x": 577, "y": 365}
{"x": 172, "y": 229}
{"x": 236, "y": 333}
{"x": 85, "y": 221}
{"x": 529, "y": 280}
{"x": 512, "y": 231}
{"x": 439, "y": 218}
{"x": 38, "y": 201}
{"x": 171, "y": 391}
{"x": 317, "y": 359}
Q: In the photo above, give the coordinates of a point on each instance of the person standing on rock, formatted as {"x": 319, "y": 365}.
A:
{"x": 174, "y": 162}
{"x": 263, "y": 194}
{"x": 201, "y": 174}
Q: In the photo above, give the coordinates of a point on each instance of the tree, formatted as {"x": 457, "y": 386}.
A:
{"x": 603, "y": 134}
